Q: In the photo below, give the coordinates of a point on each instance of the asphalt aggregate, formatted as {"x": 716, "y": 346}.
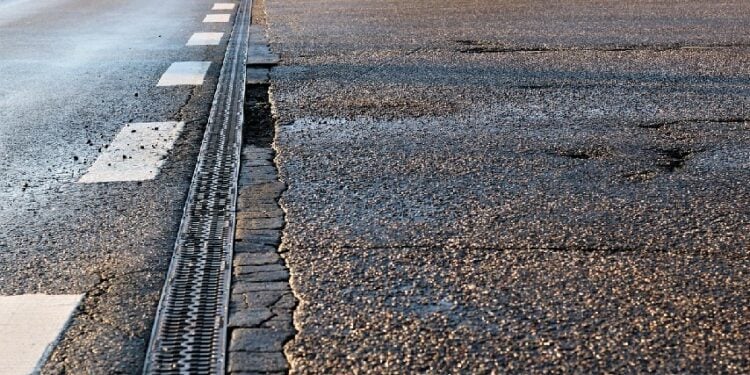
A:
{"x": 73, "y": 73}
{"x": 503, "y": 186}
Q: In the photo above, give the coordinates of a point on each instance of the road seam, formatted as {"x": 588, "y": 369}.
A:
{"x": 262, "y": 302}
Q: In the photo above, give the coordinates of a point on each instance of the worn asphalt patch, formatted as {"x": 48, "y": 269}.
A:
{"x": 530, "y": 187}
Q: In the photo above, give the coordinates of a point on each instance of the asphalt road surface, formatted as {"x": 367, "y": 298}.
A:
{"x": 515, "y": 186}
{"x": 473, "y": 185}
{"x": 74, "y": 74}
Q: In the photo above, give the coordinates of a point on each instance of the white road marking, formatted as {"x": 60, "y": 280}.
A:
{"x": 223, "y": 6}
{"x": 136, "y": 154}
{"x": 185, "y": 73}
{"x": 217, "y": 18}
{"x": 30, "y": 326}
{"x": 205, "y": 39}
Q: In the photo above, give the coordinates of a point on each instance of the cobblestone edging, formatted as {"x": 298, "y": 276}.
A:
{"x": 262, "y": 303}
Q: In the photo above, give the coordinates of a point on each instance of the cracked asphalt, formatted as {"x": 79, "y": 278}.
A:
{"x": 524, "y": 187}
{"x": 73, "y": 73}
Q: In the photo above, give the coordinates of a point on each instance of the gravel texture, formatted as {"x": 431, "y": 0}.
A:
{"x": 479, "y": 186}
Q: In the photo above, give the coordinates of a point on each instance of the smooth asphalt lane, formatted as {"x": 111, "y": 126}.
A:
{"x": 489, "y": 186}
{"x": 73, "y": 73}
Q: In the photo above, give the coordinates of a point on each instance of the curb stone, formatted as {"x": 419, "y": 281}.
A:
{"x": 262, "y": 303}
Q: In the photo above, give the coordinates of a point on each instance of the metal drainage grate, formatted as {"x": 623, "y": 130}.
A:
{"x": 189, "y": 334}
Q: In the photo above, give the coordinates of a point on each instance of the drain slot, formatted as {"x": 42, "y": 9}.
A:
{"x": 190, "y": 330}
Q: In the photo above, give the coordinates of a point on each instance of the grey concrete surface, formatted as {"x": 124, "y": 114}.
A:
{"x": 525, "y": 187}
{"x": 73, "y": 72}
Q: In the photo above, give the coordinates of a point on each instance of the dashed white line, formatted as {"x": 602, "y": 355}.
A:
{"x": 205, "y": 39}
{"x": 223, "y": 6}
{"x": 217, "y": 18}
{"x": 136, "y": 154}
{"x": 185, "y": 73}
{"x": 30, "y": 326}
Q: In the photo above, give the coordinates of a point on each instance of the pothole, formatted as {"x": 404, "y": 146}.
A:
{"x": 581, "y": 153}
{"x": 672, "y": 159}
{"x": 576, "y": 154}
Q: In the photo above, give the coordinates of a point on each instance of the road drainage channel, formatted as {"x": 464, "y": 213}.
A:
{"x": 190, "y": 330}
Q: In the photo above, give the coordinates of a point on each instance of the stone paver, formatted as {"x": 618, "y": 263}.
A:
{"x": 252, "y": 362}
{"x": 260, "y": 319}
{"x": 261, "y": 307}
